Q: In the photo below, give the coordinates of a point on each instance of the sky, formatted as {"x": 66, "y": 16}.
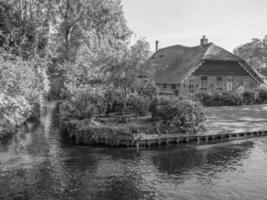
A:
{"x": 227, "y": 23}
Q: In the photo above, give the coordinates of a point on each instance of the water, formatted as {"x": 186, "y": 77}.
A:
{"x": 39, "y": 165}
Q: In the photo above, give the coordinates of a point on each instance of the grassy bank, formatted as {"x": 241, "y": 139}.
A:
{"x": 220, "y": 122}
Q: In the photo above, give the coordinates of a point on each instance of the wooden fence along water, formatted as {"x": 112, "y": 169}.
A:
{"x": 159, "y": 140}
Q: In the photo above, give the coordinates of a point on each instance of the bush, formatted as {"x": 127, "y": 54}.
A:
{"x": 177, "y": 116}
{"x": 219, "y": 99}
{"x": 113, "y": 100}
{"x": 69, "y": 110}
{"x": 138, "y": 104}
{"x": 135, "y": 103}
{"x": 205, "y": 98}
{"x": 227, "y": 99}
{"x": 147, "y": 89}
{"x": 249, "y": 97}
{"x": 261, "y": 95}
{"x": 23, "y": 85}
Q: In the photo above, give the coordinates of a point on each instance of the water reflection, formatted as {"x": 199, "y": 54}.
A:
{"x": 39, "y": 165}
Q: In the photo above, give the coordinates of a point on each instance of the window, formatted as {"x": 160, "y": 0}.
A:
{"x": 229, "y": 85}
{"x": 191, "y": 86}
{"x": 246, "y": 83}
{"x": 173, "y": 86}
{"x": 219, "y": 83}
{"x": 204, "y": 83}
{"x": 164, "y": 86}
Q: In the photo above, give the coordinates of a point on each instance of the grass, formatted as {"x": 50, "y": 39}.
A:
{"x": 235, "y": 119}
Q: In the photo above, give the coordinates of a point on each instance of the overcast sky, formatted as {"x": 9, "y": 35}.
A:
{"x": 227, "y": 23}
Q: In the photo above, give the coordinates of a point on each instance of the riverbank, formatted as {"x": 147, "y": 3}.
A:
{"x": 223, "y": 124}
{"x": 40, "y": 165}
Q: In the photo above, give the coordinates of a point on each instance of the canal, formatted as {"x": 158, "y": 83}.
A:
{"x": 38, "y": 165}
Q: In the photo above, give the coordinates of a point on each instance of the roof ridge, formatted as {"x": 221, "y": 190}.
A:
{"x": 205, "y": 52}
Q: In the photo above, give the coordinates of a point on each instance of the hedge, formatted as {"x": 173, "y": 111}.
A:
{"x": 248, "y": 97}
{"x": 172, "y": 115}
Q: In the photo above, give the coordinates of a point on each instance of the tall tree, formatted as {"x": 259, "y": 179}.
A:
{"x": 95, "y": 38}
{"x": 88, "y": 23}
{"x": 129, "y": 69}
{"x": 25, "y": 27}
{"x": 254, "y": 52}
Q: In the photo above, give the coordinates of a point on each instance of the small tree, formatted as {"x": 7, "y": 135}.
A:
{"x": 130, "y": 68}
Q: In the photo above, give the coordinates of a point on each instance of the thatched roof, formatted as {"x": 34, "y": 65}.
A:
{"x": 176, "y": 62}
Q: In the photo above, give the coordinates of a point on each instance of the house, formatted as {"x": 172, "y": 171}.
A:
{"x": 205, "y": 68}
{"x": 263, "y": 72}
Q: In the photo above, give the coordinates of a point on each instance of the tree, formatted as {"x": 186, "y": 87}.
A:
{"x": 254, "y": 52}
{"x": 25, "y": 27}
{"x": 23, "y": 84}
{"x": 130, "y": 69}
{"x": 87, "y": 32}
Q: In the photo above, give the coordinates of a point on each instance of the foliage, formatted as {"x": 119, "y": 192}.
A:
{"x": 227, "y": 99}
{"x": 249, "y": 97}
{"x": 177, "y": 116}
{"x": 130, "y": 69}
{"x": 147, "y": 88}
{"x": 219, "y": 99}
{"x": 138, "y": 104}
{"x": 254, "y": 52}
{"x": 88, "y": 33}
{"x": 205, "y": 98}
{"x": 25, "y": 27}
{"x": 23, "y": 85}
{"x": 261, "y": 94}
{"x": 113, "y": 101}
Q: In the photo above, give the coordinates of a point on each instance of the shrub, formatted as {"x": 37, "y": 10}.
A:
{"x": 113, "y": 100}
{"x": 227, "y": 99}
{"x": 261, "y": 95}
{"x": 177, "y": 116}
{"x": 249, "y": 97}
{"x": 82, "y": 110}
{"x": 153, "y": 108}
{"x": 135, "y": 103}
{"x": 23, "y": 85}
{"x": 147, "y": 89}
{"x": 219, "y": 99}
{"x": 138, "y": 104}
{"x": 205, "y": 98}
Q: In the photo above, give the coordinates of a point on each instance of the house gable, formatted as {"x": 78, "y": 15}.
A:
{"x": 177, "y": 63}
{"x": 223, "y": 68}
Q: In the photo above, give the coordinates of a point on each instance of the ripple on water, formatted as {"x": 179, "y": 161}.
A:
{"x": 38, "y": 165}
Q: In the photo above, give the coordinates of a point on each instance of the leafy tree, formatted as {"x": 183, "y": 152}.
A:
{"x": 254, "y": 52}
{"x": 25, "y": 27}
{"x": 88, "y": 32}
{"x": 23, "y": 84}
{"x": 130, "y": 69}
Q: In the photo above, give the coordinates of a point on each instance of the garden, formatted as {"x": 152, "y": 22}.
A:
{"x": 225, "y": 98}
{"x": 96, "y": 119}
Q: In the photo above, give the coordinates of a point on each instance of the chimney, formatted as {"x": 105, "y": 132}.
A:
{"x": 204, "y": 41}
{"x": 157, "y": 45}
